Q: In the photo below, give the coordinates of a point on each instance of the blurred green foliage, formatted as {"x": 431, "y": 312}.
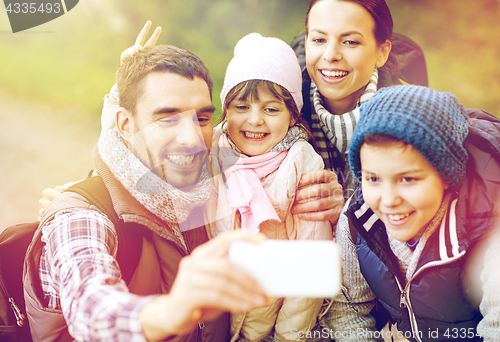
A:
{"x": 71, "y": 61}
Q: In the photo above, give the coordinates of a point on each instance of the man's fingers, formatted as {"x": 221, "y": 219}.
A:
{"x": 144, "y": 32}
{"x": 331, "y": 215}
{"x": 322, "y": 209}
{"x": 316, "y": 191}
{"x": 49, "y": 195}
{"x": 219, "y": 245}
{"x": 62, "y": 188}
{"x": 154, "y": 38}
{"x": 217, "y": 283}
{"x": 228, "y": 298}
{"x": 207, "y": 283}
{"x": 321, "y": 204}
{"x": 319, "y": 176}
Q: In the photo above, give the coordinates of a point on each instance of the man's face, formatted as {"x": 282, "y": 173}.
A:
{"x": 173, "y": 127}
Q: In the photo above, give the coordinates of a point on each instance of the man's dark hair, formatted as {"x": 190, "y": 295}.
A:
{"x": 160, "y": 58}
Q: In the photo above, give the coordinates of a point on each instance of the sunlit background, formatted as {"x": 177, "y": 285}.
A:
{"x": 53, "y": 77}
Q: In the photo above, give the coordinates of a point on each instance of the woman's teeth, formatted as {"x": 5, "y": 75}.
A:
{"x": 334, "y": 73}
{"x": 181, "y": 160}
{"x": 254, "y": 135}
{"x": 397, "y": 217}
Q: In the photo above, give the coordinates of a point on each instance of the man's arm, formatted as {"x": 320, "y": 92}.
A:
{"x": 319, "y": 197}
{"x": 206, "y": 285}
{"x": 97, "y": 306}
{"x": 81, "y": 277}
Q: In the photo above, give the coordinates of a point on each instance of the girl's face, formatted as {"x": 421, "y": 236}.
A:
{"x": 341, "y": 52}
{"x": 401, "y": 187}
{"x": 257, "y": 125}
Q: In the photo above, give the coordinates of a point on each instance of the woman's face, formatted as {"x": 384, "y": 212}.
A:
{"x": 341, "y": 52}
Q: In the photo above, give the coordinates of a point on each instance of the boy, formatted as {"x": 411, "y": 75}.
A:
{"x": 430, "y": 185}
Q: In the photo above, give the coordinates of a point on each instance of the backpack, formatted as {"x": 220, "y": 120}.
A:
{"x": 14, "y": 242}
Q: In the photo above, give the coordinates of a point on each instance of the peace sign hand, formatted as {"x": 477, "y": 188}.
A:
{"x": 139, "y": 42}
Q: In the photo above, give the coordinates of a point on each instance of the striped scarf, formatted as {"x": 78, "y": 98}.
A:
{"x": 336, "y": 130}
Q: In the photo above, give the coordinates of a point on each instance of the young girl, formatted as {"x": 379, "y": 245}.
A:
{"x": 430, "y": 184}
{"x": 263, "y": 151}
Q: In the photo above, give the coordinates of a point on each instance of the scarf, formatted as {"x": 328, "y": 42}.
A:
{"x": 336, "y": 129}
{"x": 163, "y": 200}
{"x": 243, "y": 174}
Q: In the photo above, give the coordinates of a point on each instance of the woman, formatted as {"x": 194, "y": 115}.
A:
{"x": 348, "y": 54}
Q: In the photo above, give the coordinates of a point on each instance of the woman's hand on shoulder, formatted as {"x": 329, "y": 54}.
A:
{"x": 319, "y": 197}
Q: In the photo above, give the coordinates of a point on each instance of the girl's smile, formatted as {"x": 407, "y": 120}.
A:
{"x": 254, "y": 135}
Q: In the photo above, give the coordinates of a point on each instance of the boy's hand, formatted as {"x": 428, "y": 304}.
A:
{"x": 207, "y": 284}
{"x": 319, "y": 197}
{"x": 139, "y": 42}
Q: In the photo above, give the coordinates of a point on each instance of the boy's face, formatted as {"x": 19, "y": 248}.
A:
{"x": 401, "y": 187}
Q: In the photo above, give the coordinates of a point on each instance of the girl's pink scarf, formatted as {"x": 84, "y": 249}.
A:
{"x": 243, "y": 184}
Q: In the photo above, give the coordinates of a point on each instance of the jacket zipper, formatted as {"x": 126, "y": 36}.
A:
{"x": 404, "y": 301}
{"x": 20, "y": 318}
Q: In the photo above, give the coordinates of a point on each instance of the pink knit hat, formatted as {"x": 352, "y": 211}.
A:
{"x": 264, "y": 58}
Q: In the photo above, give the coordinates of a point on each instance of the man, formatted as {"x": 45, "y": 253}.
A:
{"x": 166, "y": 97}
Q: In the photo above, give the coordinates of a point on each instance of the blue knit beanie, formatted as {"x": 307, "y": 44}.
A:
{"x": 433, "y": 122}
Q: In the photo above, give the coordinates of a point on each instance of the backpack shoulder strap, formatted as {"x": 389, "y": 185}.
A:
{"x": 413, "y": 68}
{"x": 129, "y": 234}
{"x": 94, "y": 190}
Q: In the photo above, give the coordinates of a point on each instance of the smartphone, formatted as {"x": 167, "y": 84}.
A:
{"x": 287, "y": 268}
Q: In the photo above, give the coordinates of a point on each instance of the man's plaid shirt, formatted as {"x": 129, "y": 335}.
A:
{"x": 80, "y": 276}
